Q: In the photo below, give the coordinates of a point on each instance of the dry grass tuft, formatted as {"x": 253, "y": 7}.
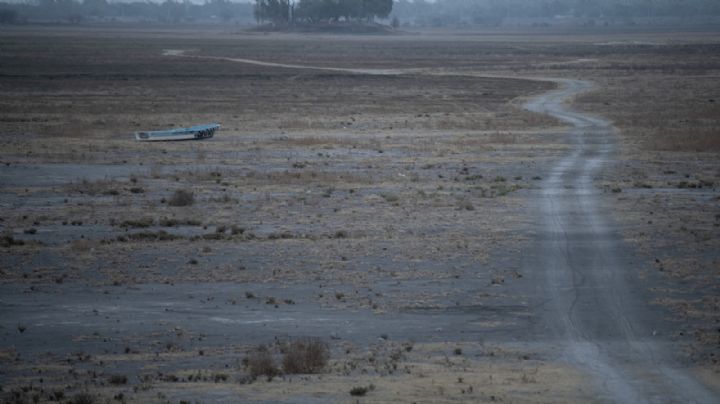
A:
{"x": 308, "y": 355}
{"x": 260, "y": 362}
{"x": 182, "y": 197}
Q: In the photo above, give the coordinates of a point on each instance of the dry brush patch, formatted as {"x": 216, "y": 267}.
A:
{"x": 412, "y": 372}
{"x": 298, "y": 356}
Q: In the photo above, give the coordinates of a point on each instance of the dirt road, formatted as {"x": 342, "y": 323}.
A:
{"x": 595, "y": 312}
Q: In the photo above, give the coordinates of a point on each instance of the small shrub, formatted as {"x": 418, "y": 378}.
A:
{"x": 219, "y": 377}
{"x": 286, "y": 235}
{"x": 150, "y": 236}
{"x": 140, "y": 223}
{"x": 685, "y": 184}
{"x": 260, "y": 362}
{"x": 391, "y": 198}
{"x": 359, "y": 391}
{"x": 118, "y": 379}
{"x": 465, "y": 205}
{"x": 8, "y": 241}
{"x": 473, "y": 177}
{"x": 170, "y": 378}
{"x": 181, "y": 197}
{"x": 83, "y": 398}
{"x": 308, "y": 355}
{"x": 213, "y": 236}
{"x": 165, "y": 222}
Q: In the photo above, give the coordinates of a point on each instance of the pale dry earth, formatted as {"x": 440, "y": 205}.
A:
{"x": 379, "y": 212}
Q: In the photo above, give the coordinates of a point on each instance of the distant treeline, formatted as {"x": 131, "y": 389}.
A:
{"x": 75, "y": 11}
{"x": 281, "y": 12}
{"x": 499, "y": 12}
{"x": 407, "y": 12}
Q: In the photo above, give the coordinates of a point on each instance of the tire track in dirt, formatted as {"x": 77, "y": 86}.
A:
{"x": 593, "y": 313}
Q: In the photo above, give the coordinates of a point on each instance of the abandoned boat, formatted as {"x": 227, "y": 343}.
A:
{"x": 191, "y": 133}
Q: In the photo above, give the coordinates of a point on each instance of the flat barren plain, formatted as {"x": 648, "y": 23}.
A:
{"x": 438, "y": 216}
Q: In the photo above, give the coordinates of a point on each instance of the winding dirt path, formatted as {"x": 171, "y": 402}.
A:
{"x": 594, "y": 314}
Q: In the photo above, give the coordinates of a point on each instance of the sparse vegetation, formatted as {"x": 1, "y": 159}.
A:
{"x": 391, "y": 198}
{"x": 260, "y": 362}
{"x": 140, "y": 223}
{"x": 118, "y": 379}
{"x": 166, "y": 222}
{"x": 301, "y": 171}
{"x": 219, "y": 377}
{"x": 9, "y": 241}
{"x": 465, "y": 204}
{"x": 360, "y": 391}
{"x": 181, "y": 197}
{"x": 83, "y": 398}
{"x": 149, "y": 236}
{"x": 306, "y": 355}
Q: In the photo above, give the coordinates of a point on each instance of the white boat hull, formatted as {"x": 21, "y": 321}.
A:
{"x": 192, "y": 133}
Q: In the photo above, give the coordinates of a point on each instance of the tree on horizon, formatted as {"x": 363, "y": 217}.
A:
{"x": 285, "y": 12}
